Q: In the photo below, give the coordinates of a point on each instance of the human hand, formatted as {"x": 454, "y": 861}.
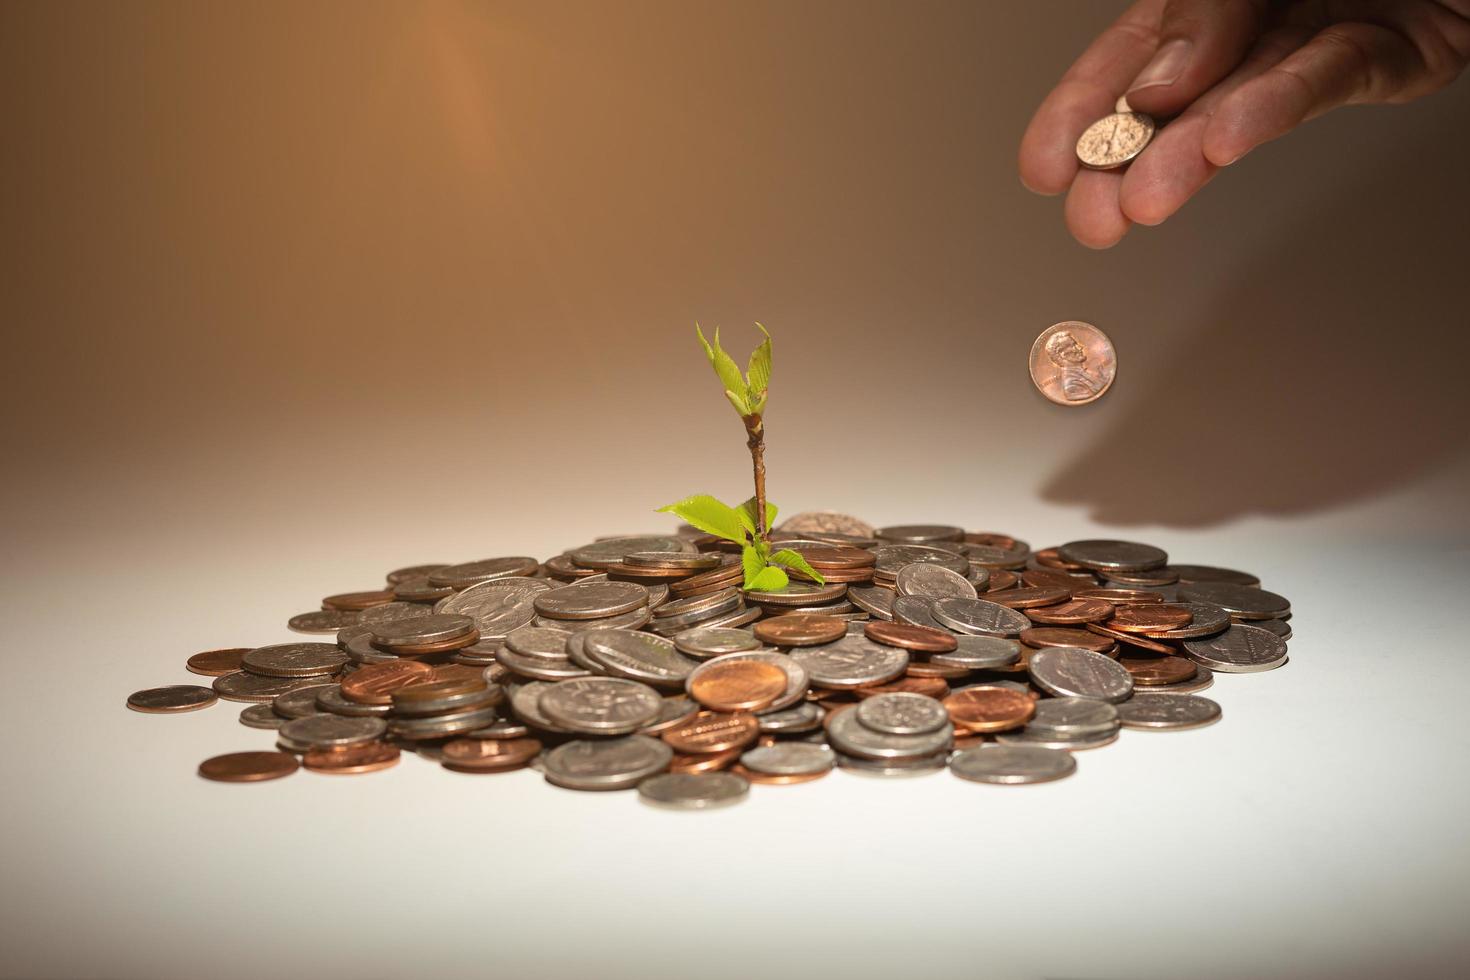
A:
{"x": 1235, "y": 74}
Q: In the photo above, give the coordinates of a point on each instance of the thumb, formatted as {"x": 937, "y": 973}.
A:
{"x": 1200, "y": 42}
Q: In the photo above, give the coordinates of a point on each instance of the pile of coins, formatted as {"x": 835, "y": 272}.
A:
{"x": 638, "y": 661}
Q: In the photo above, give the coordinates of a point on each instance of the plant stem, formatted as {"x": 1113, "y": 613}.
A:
{"x": 756, "y": 442}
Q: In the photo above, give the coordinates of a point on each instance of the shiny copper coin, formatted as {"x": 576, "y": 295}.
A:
{"x": 358, "y": 601}
{"x": 488, "y": 754}
{"x": 712, "y": 731}
{"x": 1153, "y": 671}
{"x": 1072, "y": 611}
{"x": 1002, "y": 581}
{"x": 704, "y": 761}
{"x": 352, "y": 760}
{"x": 1030, "y": 597}
{"x": 989, "y": 709}
{"x": 799, "y": 630}
{"x": 772, "y": 779}
{"x": 1119, "y": 597}
{"x": 430, "y": 689}
{"x": 375, "y": 683}
{"x": 248, "y": 767}
{"x": 455, "y": 672}
{"x": 1149, "y": 617}
{"x": 1073, "y": 363}
{"x": 738, "y": 685}
{"x": 1132, "y": 639}
{"x": 924, "y": 639}
{"x": 1060, "y": 636}
{"x": 216, "y": 663}
{"x": 930, "y": 687}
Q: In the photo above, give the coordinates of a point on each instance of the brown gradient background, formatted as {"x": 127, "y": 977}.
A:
{"x": 296, "y": 293}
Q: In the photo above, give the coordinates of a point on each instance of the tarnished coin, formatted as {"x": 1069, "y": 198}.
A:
{"x": 477, "y": 755}
{"x": 891, "y": 558}
{"x": 214, "y": 663}
{"x": 639, "y": 656}
{"x": 1278, "y": 626}
{"x": 1073, "y": 718}
{"x": 1191, "y": 574}
{"x": 497, "y": 607}
{"x": 1073, "y": 363}
{"x": 1072, "y": 672}
{"x": 850, "y": 736}
{"x": 324, "y": 730}
{"x": 933, "y": 582}
{"x": 827, "y": 522}
{"x": 539, "y": 641}
{"x": 1114, "y": 140}
{"x": 172, "y": 700}
{"x": 601, "y": 705}
{"x": 352, "y": 760}
{"x": 262, "y": 716}
{"x": 734, "y": 684}
{"x": 300, "y": 702}
{"x": 707, "y": 641}
{"x": 591, "y": 600}
{"x": 694, "y": 791}
{"x": 1157, "y": 671}
{"x": 1167, "y": 712}
{"x": 295, "y": 660}
{"x": 901, "y": 714}
{"x": 800, "y": 630}
{"x": 606, "y": 764}
{"x": 421, "y": 630}
{"x": 414, "y": 571}
{"x": 873, "y": 599}
{"x": 321, "y": 621}
{"x": 853, "y": 661}
{"x": 393, "y": 610}
{"x": 1240, "y": 601}
{"x": 1012, "y": 764}
{"x": 1240, "y": 649}
{"x": 920, "y": 533}
{"x": 922, "y": 639}
{"x": 913, "y": 610}
{"x": 980, "y": 653}
{"x": 789, "y": 759}
{"x": 248, "y": 767}
{"x": 613, "y": 551}
{"x": 466, "y": 574}
{"x": 242, "y": 686}
{"x": 358, "y": 601}
{"x": 1206, "y": 618}
{"x": 989, "y": 708}
{"x": 1113, "y": 555}
{"x": 980, "y": 616}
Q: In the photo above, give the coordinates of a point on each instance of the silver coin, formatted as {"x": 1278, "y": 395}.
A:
{"x": 705, "y": 641}
{"x": 933, "y": 582}
{"x": 1129, "y": 556}
{"x": 477, "y": 654}
{"x": 1159, "y": 712}
{"x": 979, "y": 653}
{"x": 503, "y": 728}
{"x": 799, "y": 594}
{"x": 294, "y": 660}
{"x": 389, "y": 611}
{"x": 1240, "y": 601}
{"x": 850, "y": 736}
{"x": 891, "y": 558}
{"x": 577, "y": 653}
{"x": 525, "y": 701}
{"x": 321, "y": 621}
{"x": 873, "y": 599}
{"x": 606, "y": 764}
{"x": 360, "y": 650}
{"x": 1189, "y": 574}
{"x": 540, "y": 668}
{"x": 539, "y": 641}
{"x": 424, "y": 629}
{"x": 420, "y": 590}
{"x": 639, "y": 656}
{"x": 980, "y": 617}
{"x": 789, "y": 759}
{"x": 901, "y": 713}
{"x": 671, "y": 625}
{"x": 918, "y": 766}
{"x": 671, "y": 711}
{"x": 1072, "y": 672}
{"x": 990, "y": 556}
{"x": 1278, "y": 626}
{"x": 696, "y": 561}
{"x": 734, "y": 620}
{"x": 694, "y": 791}
{"x": 329, "y": 698}
{"x": 1073, "y": 717}
{"x": 323, "y": 731}
{"x": 1240, "y": 649}
{"x": 802, "y": 717}
{"x": 914, "y": 610}
{"x": 261, "y": 716}
{"x": 469, "y": 573}
{"x": 591, "y": 600}
{"x": 852, "y": 661}
{"x": 1206, "y": 619}
{"x": 442, "y": 726}
{"x": 721, "y": 599}
{"x": 242, "y": 686}
{"x": 827, "y": 522}
{"x": 636, "y": 619}
{"x": 920, "y": 533}
{"x": 798, "y": 681}
{"x": 300, "y": 703}
{"x": 612, "y": 551}
{"x": 1024, "y": 737}
{"x": 601, "y": 705}
{"x": 497, "y": 607}
{"x": 1012, "y": 764}
{"x": 174, "y": 698}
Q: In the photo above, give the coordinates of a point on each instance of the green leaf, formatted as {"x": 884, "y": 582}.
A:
{"x": 725, "y": 368}
{"x": 794, "y": 560}
{"x": 758, "y": 375}
{"x": 709, "y": 515}
{"x": 738, "y": 400}
{"x": 759, "y": 408}
{"x": 770, "y": 579}
{"x": 752, "y": 561}
{"x": 747, "y": 515}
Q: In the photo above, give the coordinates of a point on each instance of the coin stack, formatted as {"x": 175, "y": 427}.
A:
{"x": 638, "y": 661}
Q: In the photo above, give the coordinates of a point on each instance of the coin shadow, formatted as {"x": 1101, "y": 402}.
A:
{"x": 1335, "y": 368}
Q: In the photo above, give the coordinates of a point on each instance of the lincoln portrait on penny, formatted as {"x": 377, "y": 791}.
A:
{"x": 1071, "y": 357}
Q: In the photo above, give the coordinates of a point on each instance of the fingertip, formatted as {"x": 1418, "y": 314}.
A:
{"x": 1043, "y": 168}
{"x": 1092, "y": 211}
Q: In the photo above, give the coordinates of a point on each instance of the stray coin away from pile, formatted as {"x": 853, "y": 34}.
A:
{"x": 638, "y": 662}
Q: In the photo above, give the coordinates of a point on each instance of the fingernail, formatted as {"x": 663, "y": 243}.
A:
{"x": 1168, "y": 64}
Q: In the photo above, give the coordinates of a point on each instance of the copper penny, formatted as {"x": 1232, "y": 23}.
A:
{"x": 799, "y": 630}
{"x": 738, "y": 685}
{"x": 1149, "y": 617}
{"x": 430, "y": 689}
{"x": 1153, "y": 671}
{"x": 248, "y": 767}
{"x": 924, "y": 670}
{"x": 438, "y": 646}
{"x": 989, "y": 708}
{"x": 1041, "y": 578}
{"x": 488, "y": 754}
{"x": 358, "y": 601}
{"x": 1030, "y": 597}
{"x": 352, "y": 760}
{"x": 172, "y": 700}
{"x": 772, "y": 779}
{"x": 1072, "y": 611}
{"x": 837, "y": 556}
{"x": 1060, "y": 636}
{"x": 711, "y": 731}
{"x": 1119, "y": 597}
{"x": 924, "y": 639}
{"x": 216, "y": 663}
{"x": 930, "y": 687}
{"x": 704, "y": 761}
{"x": 715, "y": 580}
{"x": 1051, "y": 559}
{"x": 375, "y": 683}
{"x": 1073, "y": 363}
{"x": 1002, "y": 581}
{"x": 1130, "y": 638}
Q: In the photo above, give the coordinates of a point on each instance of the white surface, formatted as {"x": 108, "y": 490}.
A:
{"x": 1317, "y": 830}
